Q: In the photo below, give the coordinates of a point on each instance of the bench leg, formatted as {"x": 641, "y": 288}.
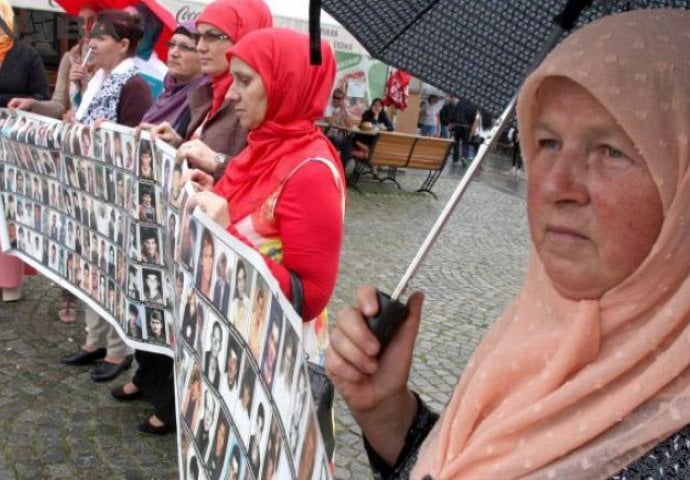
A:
{"x": 429, "y": 182}
{"x": 390, "y": 175}
{"x": 356, "y": 173}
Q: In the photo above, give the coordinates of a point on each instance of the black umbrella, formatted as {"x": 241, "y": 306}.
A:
{"x": 477, "y": 49}
{"x": 480, "y": 50}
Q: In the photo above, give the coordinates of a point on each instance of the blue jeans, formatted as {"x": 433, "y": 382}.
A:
{"x": 428, "y": 130}
{"x": 445, "y": 133}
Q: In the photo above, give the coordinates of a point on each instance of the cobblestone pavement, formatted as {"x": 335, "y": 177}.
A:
{"x": 57, "y": 424}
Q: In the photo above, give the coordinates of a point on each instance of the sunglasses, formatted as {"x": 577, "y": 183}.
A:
{"x": 210, "y": 37}
{"x": 184, "y": 47}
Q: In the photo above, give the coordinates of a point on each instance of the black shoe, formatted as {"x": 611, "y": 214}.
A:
{"x": 82, "y": 357}
{"x": 118, "y": 393}
{"x": 146, "y": 428}
{"x": 105, "y": 371}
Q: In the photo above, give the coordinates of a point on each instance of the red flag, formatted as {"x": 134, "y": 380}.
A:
{"x": 396, "y": 89}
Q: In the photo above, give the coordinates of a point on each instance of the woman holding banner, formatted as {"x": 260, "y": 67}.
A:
{"x": 115, "y": 93}
{"x": 278, "y": 96}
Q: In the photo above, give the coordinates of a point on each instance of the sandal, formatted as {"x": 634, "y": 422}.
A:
{"x": 68, "y": 308}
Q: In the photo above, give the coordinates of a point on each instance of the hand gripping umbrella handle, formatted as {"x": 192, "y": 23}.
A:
{"x": 392, "y": 312}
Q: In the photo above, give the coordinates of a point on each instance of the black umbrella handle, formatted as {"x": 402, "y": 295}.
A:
{"x": 571, "y": 12}
{"x": 390, "y": 317}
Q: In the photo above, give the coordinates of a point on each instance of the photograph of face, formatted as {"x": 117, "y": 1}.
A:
{"x": 239, "y": 309}
{"x": 212, "y": 355}
{"x": 102, "y": 211}
{"x": 52, "y": 256}
{"x": 171, "y": 237}
{"x": 20, "y": 182}
{"x": 216, "y": 454}
{"x": 150, "y": 245}
{"x": 145, "y": 160}
{"x": 99, "y": 181}
{"x": 192, "y": 317}
{"x": 306, "y": 459}
{"x": 119, "y": 189}
{"x": 189, "y": 230}
{"x": 205, "y": 263}
{"x": 133, "y": 326}
{"x": 107, "y": 150}
{"x": 167, "y": 171}
{"x": 110, "y": 184}
{"x": 232, "y": 364}
{"x": 156, "y": 325}
{"x": 133, "y": 249}
{"x": 261, "y": 304}
{"x": 176, "y": 185}
{"x": 258, "y": 425}
{"x": 118, "y": 150}
{"x": 221, "y": 282}
{"x": 273, "y": 451}
{"x": 85, "y": 142}
{"x": 153, "y": 285}
{"x": 129, "y": 162}
{"x": 236, "y": 461}
{"x": 133, "y": 283}
{"x": 208, "y": 416}
{"x": 298, "y": 410}
{"x": 191, "y": 397}
{"x": 147, "y": 203}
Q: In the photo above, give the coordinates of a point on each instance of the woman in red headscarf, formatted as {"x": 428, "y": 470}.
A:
{"x": 214, "y": 134}
{"x": 284, "y": 193}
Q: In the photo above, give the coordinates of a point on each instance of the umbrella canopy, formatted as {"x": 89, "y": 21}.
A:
{"x": 479, "y": 49}
{"x": 72, "y": 8}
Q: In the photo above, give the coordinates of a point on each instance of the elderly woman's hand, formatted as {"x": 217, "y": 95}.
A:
{"x": 375, "y": 389}
{"x": 214, "y": 206}
{"x": 163, "y": 131}
{"x": 202, "y": 181}
{"x": 198, "y": 155}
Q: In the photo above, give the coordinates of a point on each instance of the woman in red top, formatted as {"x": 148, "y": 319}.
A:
{"x": 284, "y": 193}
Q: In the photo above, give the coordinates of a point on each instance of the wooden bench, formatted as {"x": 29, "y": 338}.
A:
{"x": 393, "y": 150}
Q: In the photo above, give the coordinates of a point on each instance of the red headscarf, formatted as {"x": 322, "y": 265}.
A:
{"x": 235, "y": 18}
{"x": 297, "y": 96}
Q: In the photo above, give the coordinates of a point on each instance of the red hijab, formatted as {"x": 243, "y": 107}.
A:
{"x": 235, "y": 18}
{"x": 297, "y": 96}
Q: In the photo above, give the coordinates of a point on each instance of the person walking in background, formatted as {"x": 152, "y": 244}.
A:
{"x": 429, "y": 117}
{"x": 446, "y": 116}
{"x": 21, "y": 74}
{"x": 115, "y": 93}
{"x": 463, "y": 120}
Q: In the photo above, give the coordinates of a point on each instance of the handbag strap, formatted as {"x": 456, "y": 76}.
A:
{"x": 297, "y": 292}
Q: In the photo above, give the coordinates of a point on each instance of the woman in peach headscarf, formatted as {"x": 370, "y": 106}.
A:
{"x": 587, "y": 373}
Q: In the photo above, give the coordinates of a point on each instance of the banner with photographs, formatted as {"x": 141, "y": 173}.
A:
{"x": 102, "y": 213}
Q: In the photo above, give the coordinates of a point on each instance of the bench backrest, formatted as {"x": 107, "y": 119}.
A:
{"x": 392, "y": 149}
{"x": 403, "y": 150}
{"x": 429, "y": 153}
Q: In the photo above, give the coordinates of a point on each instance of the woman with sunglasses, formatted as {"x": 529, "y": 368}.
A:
{"x": 214, "y": 134}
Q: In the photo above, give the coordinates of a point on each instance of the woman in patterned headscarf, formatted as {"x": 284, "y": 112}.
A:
{"x": 587, "y": 372}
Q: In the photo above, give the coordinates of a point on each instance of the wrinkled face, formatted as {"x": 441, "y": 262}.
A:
{"x": 594, "y": 210}
{"x": 183, "y": 58}
{"x": 212, "y": 48}
{"x": 248, "y": 94}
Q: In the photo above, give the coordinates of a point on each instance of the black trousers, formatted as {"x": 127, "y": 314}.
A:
{"x": 155, "y": 378}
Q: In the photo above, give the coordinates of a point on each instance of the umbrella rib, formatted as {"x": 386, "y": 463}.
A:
{"x": 409, "y": 24}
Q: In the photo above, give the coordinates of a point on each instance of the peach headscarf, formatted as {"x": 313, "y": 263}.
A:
{"x": 570, "y": 389}
{"x": 6, "y": 41}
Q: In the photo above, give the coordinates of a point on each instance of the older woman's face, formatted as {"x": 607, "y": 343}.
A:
{"x": 248, "y": 94}
{"x": 183, "y": 58}
{"x": 594, "y": 210}
{"x": 212, "y": 48}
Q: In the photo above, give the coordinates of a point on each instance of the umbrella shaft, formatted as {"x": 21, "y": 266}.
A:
{"x": 484, "y": 148}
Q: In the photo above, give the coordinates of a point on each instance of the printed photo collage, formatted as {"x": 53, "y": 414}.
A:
{"x": 103, "y": 212}
{"x": 245, "y": 409}
{"x": 83, "y": 202}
